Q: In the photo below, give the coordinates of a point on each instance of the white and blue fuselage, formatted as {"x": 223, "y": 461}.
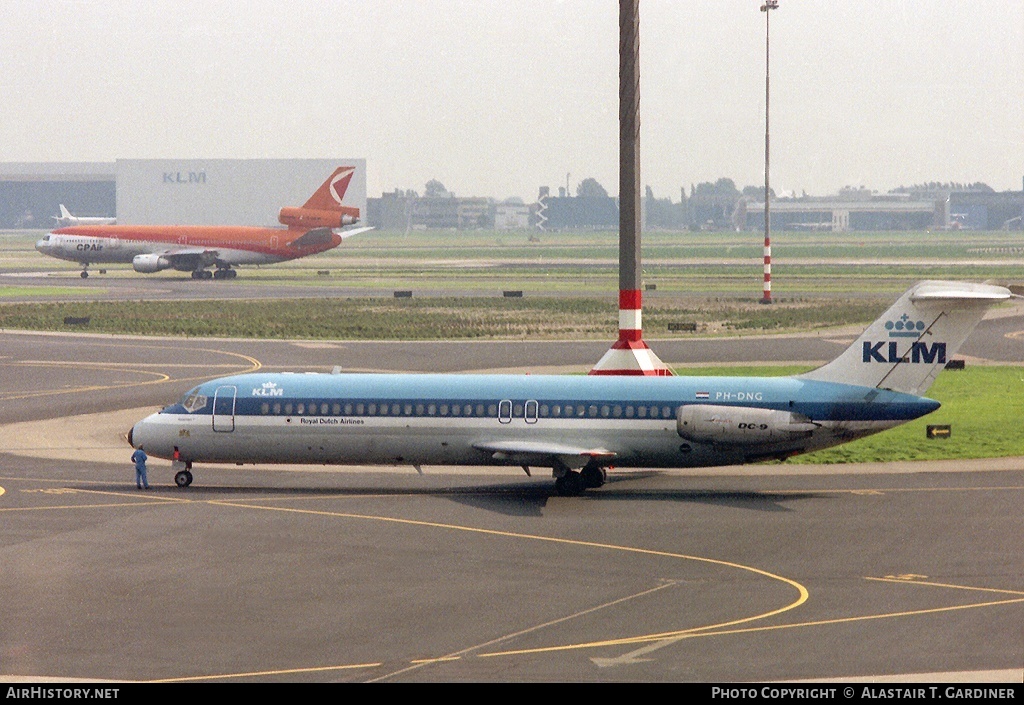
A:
{"x": 577, "y": 425}
{"x": 504, "y": 419}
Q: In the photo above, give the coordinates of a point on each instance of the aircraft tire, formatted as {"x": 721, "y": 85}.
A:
{"x": 85, "y": 274}
{"x": 570, "y": 484}
{"x": 593, "y": 476}
{"x": 183, "y": 478}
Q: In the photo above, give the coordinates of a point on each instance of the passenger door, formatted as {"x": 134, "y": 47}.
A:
{"x": 224, "y": 409}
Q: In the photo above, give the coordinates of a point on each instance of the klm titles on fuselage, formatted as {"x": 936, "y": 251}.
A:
{"x": 268, "y": 389}
{"x": 330, "y": 421}
{"x": 178, "y": 177}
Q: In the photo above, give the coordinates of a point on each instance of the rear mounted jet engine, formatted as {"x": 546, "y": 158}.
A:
{"x": 740, "y": 426}
{"x": 314, "y": 218}
{"x": 147, "y": 264}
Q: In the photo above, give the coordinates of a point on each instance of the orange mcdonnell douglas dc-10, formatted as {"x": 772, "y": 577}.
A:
{"x": 196, "y": 248}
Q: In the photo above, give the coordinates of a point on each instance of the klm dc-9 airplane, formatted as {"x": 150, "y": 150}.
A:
{"x": 579, "y": 426}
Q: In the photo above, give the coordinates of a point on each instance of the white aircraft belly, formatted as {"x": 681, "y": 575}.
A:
{"x": 391, "y": 440}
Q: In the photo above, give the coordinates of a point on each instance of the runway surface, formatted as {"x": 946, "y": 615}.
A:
{"x": 912, "y": 571}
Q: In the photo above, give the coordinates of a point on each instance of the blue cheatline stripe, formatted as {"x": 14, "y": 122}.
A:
{"x": 537, "y": 396}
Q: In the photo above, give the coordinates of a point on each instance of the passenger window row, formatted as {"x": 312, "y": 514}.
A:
{"x": 468, "y": 409}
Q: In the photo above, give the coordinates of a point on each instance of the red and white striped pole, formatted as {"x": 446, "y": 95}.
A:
{"x": 630, "y": 355}
{"x": 768, "y": 6}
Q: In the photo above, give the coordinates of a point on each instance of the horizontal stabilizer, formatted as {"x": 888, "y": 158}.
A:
{"x": 962, "y": 292}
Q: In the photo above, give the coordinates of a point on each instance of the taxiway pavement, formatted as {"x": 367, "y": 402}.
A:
{"x": 310, "y": 574}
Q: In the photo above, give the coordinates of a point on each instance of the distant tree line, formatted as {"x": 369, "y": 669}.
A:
{"x": 937, "y": 186}
{"x": 717, "y": 204}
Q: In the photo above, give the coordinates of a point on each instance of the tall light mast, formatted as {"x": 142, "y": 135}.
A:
{"x": 629, "y": 355}
{"x": 768, "y": 6}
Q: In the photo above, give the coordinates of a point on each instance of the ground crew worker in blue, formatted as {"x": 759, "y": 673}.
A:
{"x": 139, "y": 457}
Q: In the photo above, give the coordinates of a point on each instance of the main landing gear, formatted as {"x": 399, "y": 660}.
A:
{"x": 220, "y": 273}
{"x": 183, "y": 478}
{"x": 571, "y": 483}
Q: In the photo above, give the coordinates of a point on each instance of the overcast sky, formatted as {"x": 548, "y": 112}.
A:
{"x": 498, "y": 97}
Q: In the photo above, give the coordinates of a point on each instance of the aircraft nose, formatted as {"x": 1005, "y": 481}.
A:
{"x": 42, "y": 245}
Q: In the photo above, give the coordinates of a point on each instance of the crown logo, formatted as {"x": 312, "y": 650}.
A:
{"x": 904, "y": 327}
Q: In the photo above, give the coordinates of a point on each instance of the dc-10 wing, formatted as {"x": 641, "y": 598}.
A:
{"x": 322, "y": 236}
{"x": 544, "y": 453}
{"x": 180, "y": 258}
{"x": 353, "y": 231}
{"x": 173, "y": 252}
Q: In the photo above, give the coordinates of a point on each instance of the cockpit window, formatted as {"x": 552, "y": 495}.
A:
{"x": 194, "y": 401}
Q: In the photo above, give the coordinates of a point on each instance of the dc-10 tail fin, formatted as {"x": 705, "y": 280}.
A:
{"x": 325, "y": 208}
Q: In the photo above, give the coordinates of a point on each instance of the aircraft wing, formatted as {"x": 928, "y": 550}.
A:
{"x": 192, "y": 254}
{"x": 185, "y": 252}
{"x": 543, "y": 452}
{"x": 312, "y": 238}
{"x": 322, "y": 236}
{"x": 188, "y": 257}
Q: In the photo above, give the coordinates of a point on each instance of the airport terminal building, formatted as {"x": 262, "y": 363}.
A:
{"x": 167, "y": 191}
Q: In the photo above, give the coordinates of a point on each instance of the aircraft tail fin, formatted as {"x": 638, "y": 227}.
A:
{"x": 65, "y": 218}
{"x": 331, "y": 193}
{"x": 909, "y": 345}
{"x": 325, "y": 208}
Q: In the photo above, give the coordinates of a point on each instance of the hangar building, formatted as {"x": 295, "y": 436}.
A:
{"x": 30, "y": 192}
{"x": 168, "y": 191}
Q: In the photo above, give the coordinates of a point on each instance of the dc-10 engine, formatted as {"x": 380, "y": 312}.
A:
{"x": 318, "y": 218}
{"x": 147, "y": 264}
{"x": 740, "y": 426}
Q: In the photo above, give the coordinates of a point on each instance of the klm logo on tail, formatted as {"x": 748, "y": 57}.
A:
{"x": 919, "y": 352}
{"x": 904, "y": 327}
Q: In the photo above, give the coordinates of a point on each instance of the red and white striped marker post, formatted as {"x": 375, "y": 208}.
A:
{"x": 630, "y": 355}
{"x": 768, "y": 6}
